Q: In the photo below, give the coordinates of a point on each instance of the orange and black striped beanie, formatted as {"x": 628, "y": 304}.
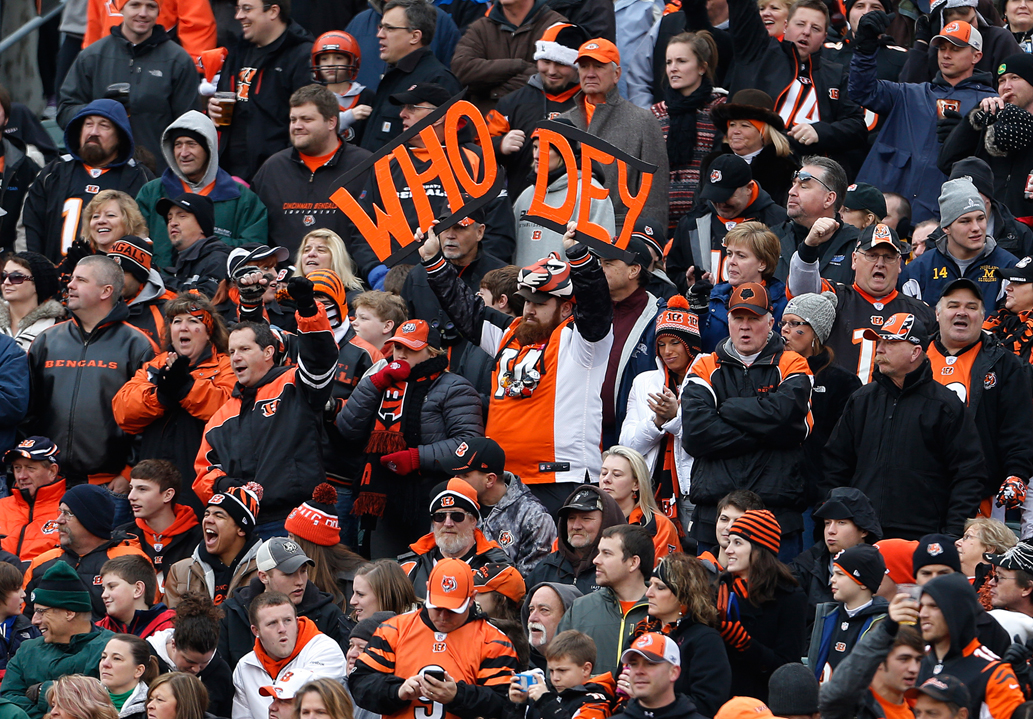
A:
{"x": 760, "y": 527}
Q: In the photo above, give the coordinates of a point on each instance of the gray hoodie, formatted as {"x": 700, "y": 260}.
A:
{"x": 201, "y": 124}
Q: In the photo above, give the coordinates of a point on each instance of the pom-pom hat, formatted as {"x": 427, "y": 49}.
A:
{"x": 316, "y": 520}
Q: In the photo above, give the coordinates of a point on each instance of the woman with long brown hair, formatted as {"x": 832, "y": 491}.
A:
{"x": 681, "y": 605}
{"x": 381, "y": 586}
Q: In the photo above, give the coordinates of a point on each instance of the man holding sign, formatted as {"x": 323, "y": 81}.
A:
{"x": 550, "y": 363}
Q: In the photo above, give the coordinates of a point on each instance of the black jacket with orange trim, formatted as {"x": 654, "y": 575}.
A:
{"x": 74, "y": 376}
{"x": 745, "y": 426}
{"x": 418, "y": 563}
{"x": 477, "y": 655}
{"x": 992, "y": 686}
{"x": 585, "y": 701}
{"x": 922, "y": 431}
{"x": 272, "y": 433}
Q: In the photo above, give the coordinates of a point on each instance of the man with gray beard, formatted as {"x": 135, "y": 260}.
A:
{"x": 454, "y": 516}
{"x": 544, "y": 607}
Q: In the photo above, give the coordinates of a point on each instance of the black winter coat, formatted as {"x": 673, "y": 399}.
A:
{"x": 236, "y": 639}
{"x": 203, "y": 261}
{"x": 921, "y": 431}
{"x": 705, "y": 678}
{"x": 298, "y": 200}
{"x": 74, "y": 378}
{"x": 681, "y": 708}
{"x": 595, "y": 16}
{"x": 272, "y": 74}
{"x": 19, "y": 172}
{"x": 832, "y": 388}
{"x": 217, "y": 679}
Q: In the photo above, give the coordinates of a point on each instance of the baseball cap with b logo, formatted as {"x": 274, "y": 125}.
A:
{"x": 959, "y": 33}
{"x": 413, "y": 334}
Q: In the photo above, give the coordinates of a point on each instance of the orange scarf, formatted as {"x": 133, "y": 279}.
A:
{"x": 306, "y": 633}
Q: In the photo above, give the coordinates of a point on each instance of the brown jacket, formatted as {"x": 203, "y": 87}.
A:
{"x": 195, "y": 575}
{"x": 494, "y": 58}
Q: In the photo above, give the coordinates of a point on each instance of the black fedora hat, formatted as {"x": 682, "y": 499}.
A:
{"x": 748, "y": 104}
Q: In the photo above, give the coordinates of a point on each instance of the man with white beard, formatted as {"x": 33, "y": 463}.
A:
{"x": 454, "y": 516}
{"x": 544, "y": 607}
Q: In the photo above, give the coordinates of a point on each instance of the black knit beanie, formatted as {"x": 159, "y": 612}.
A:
{"x": 44, "y": 274}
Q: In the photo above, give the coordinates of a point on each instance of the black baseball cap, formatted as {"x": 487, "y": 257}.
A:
{"x": 200, "y": 206}
{"x": 962, "y": 282}
{"x": 38, "y": 449}
{"x": 727, "y": 174}
{"x": 428, "y": 92}
{"x": 864, "y": 564}
{"x": 638, "y": 247}
{"x": 942, "y": 688}
{"x": 478, "y": 215}
{"x": 478, "y": 454}
{"x": 1021, "y": 272}
{"x": 652, "y": 233}
{"x": 582, "y": 500}
{"x": 862, "y": 196}
{"x": 879, "y": 235}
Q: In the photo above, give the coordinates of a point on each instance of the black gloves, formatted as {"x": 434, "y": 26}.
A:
{"x": 250, "y": 295}
{"x": 699, "y": 296}
{"x": 80, "y": 248}
{"x": 171, "y": 381}
{"x": 923, "y": 29}
{"x": 946, "y": 125}
{"x": 223, "y": 484}
{"x": 1018, "y": 655}
{"x": 869, "y": 29}
{"x": 300, "y": 290}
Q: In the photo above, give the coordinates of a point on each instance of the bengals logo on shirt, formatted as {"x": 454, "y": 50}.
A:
{"x": 50, "y": 527}
{"x": 269, "y": 408}
{"x": 244, "y": 79}
{"x": 505, "y": 538}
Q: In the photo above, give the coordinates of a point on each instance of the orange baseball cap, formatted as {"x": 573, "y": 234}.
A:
{"x": 601, "y": 50}
{"x": 744, "y": 708}
{"x": 414, "y": 334}
{"x": 501, "y": 578}
{"x": 960, "y": 33}
{"x": 450, "y": 586}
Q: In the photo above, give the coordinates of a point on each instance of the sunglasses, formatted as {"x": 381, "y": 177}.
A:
{"x": 15, "y": 278}
{"x": 440, "y": 517}
{"x": 803, "y": 176}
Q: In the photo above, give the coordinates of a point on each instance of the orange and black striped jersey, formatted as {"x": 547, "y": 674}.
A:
{"x": 478, "y": 656}
{"x": 1015, "y": 331}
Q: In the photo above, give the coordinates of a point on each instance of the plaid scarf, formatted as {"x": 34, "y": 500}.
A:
{"x": 396, "y": 427}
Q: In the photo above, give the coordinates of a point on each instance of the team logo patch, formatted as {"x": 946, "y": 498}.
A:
{"x": 715, "y": 175}
{"x": 1002, "y": 68}
{"x": 27, "y": 443}
{"x": 747, "y": 294}
{"x": 851, "y": 188}
{"x": 286, "y": 676}
{"x": 308, "y": 220}
{"x": 50, "y": 527}
{"x": 953, "y": 27}
{"x": 876, "y": 320}
{"x": 840, "y": 646}
{"x": 449, "y": 584}
{"x": 93, "y": 189}
{"x": 990, "y": 381}
{"x": 291, "y": 547}
{"x": 935, "y": 549}
{"x": 882, "y": 232}
{"x": 411, "y": 88}
{"x": 269, "y": 408}
{"x": 592, "y": 46}
{"x": 461, "y": 449}
{"x": 217, "y": 499}
{"x": 439, "y": 648}
{"x": 97, "y": 581}
{"x": 505, "y": 538}
{"x": 947, "y": 371}
{"x": 448, "y": 501}
{"x": 833, "y": 93}
{"x": 409, "y": 327}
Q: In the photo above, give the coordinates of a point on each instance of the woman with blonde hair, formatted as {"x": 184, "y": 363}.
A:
{"x": 982, "y": 536}
{"x": 682, "y": 606}
{"x": 755, "y": 132}
{"x": 685, "y": 114}
{"x": 80, "y": 697}
{"x": 381, "y": 586}
{"x": 322, "y": 698}
{"x": 177, "y": 695}
{"x": 110, "y": 216}
{"x": 752, "y": 253}
{"x": 626, "y": 478}
{"x": 325, "y": 250}
{"x": 775, "y": 15}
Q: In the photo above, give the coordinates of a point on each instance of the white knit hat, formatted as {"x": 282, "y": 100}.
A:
{"x": 819, "y": 311}
{"x": 560, "y": 43}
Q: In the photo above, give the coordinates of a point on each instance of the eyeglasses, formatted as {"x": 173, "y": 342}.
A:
{"x": 15, "y": 278}
{"x": 414, "y": 108}
{"x": 440, "y": 517}
{"x": 66, "y": 514}
{"x": 803, "y": 176}
{"x": 41, "y": 612}
{"x": 792, "y": 323}
{"x": 874, "y": 257}
{"x": 995, "y": 578}
{"x": 392, "y": 28}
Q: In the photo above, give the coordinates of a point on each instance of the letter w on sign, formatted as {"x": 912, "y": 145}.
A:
{"x": 386, "y": 230}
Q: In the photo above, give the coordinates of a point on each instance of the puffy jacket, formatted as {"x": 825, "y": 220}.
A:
{"x": 834, "y": 256}
{"x": 418, "y": 563}
{"x": 40, "y": 662}
{"x": 271, "y": 433}
{"x": 18, "y": 173}
{"x": 714, "y": 322}
{"x": 767, "y": 64}
{"x": 363, "y": 27}
{"x": 928, "y": 276}
{"x": 205, "y": 261}
{"x": 836, "y": 633}
{"x": 637, "y": 132}
{"x": 599, "y": 615}
{"x": 640, "y": 432}
{"x": 44, "y": 315}
{"x": 384, "y": 124}
{"x": 264, "y": 79}
{"x": 17, "y": 629}
{"x": 28, "y": 523}
{"x": 172, "y": 427}
{"x": 135, "y": 706}
{"x": 595, "y": 16}
{"x": 144, "y": 623}
{"x": 903, "y": 158}
{"x": 495, "y": 57}
{"x": 567, "y": 594}
{"x": 320, "y": 655}
{"x": 298, "y": 199}
{"x": 196, "y": 575}
{"x": 520, "y": 525}
{"x": 533, "y": 242}
{"x": 87, "y": 566}
{"x": 239, "y": 215}
{"x": 14, "y": 390}
{"x": 52, "y": 212}
{"x": 236, "y": 639}
{"x": 744, "y": 427}
{"x": 698, "y": 239}
{"x": 75, "y": 377}
{"x": 921, "y": 431}
{"x": 162, "y": 83}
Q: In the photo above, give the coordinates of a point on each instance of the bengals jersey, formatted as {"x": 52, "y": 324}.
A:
{"x": 478, "y": 656}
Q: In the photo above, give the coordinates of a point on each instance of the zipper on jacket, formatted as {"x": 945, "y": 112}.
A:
{"x": 75, "y": 394}
{"x": 25, "y": 527}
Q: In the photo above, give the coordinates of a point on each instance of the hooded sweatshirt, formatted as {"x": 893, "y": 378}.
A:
{"x": 54, "y": 203}
{"x": 239, "y": 215}
{"x": 568, "y": 565}
{"x": 991, "y": 684}
{"x": 681, "y": 708}
{"x": 567, "y": 594}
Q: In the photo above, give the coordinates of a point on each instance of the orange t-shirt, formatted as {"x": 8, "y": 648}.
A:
{"x": 626, "y": 607}
{"x": 314, "y": 163}
{"x": 891, "y": 710}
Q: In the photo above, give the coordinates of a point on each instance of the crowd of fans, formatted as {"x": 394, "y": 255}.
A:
{"x": 770, "y": 459}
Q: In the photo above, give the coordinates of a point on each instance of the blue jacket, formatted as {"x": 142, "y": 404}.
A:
{"x": 363, "y": 28}
{"x": 928, "y": 276}
{"x": 14, "y": 390}
{"x": 903, "y": 158}
{"x": 713, "y": 325}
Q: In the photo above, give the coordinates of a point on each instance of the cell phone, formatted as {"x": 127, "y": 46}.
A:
{"x": 438, "y": 674}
